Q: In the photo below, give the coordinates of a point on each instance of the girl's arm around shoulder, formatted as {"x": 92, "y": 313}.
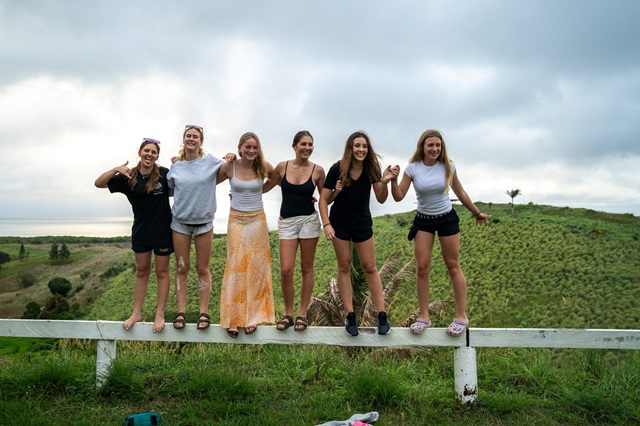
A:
{"x": 275, "y": 177}
{"x": 224, "y": 172}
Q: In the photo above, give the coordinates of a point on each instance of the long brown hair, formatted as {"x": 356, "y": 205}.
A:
{"x": 370, "y": 165}
{"x": 443, "y": 158}
{"x": 181, "y": 153}
{"x": 259, "y": 167}
{"x": 154, "y": 177}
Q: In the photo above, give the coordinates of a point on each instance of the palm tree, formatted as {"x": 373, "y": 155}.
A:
{"x": 326, "y": 309}
{"x": 513, "y": 193}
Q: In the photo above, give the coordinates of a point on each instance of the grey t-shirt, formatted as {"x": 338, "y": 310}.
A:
{"x": 194, "y": 189}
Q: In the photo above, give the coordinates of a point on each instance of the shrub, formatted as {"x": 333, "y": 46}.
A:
{"x": 4, "y": 257}
{"x": 26, "y": 279}
{"x": 32, "y": 311}
{"x": 56, "y": 308}
{"x": 59, "y": 285}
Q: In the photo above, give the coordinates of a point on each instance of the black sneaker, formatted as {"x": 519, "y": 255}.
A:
{"x": 351, "y": 324}
{"x": 383, "y": 323}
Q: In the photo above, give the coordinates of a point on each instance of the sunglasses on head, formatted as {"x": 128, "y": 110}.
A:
{"x": 149, "y": 140}
{"x": 193, "y": 126}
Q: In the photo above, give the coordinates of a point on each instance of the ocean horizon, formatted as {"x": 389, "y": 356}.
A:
{"x": 103, "y": 227}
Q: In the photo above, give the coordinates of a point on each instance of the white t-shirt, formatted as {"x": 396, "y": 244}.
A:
{"x": 429, "y": 184}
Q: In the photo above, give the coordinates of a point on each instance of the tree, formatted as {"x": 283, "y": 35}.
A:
{"x": 513, "y": 193}
{"x": 56, "y": 308}
{"x": 64, "y": 252}
{"x": 23, "y": 254}
{"x": 59, "y": 285}
{"x": 54, "y": 252}
{"x": 4, "y": 257}
{"x": 32, "y": 311}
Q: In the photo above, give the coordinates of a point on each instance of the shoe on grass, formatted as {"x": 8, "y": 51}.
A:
{"x": 351, "y": 325}
{"x": 383, "y": 323}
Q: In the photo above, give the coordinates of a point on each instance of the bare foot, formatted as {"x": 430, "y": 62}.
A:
{"x": 132, "y": 320}
{"x": 158, "y": 324}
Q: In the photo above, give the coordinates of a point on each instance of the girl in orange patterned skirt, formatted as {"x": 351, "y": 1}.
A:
{"x": 246, "y": 297}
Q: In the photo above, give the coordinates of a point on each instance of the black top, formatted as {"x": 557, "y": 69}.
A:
{"x": 297, "y": 200}
{"x": 350, "y": 210}
{"x": 151, "y": 211}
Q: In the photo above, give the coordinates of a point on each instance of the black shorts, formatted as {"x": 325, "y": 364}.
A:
{"x": 357, "y": 236}
{"x": 445, "y": 225}
{"x": 158, "y": 249}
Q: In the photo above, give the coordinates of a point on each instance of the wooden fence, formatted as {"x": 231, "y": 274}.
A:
{"x": 107, "y": 333}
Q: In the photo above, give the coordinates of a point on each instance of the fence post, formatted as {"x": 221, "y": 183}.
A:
{"x": 106, "y": 356}
{"x": 466, "y": 374}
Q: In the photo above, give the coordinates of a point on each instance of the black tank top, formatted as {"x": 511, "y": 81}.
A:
{"x": 297, "y": 200}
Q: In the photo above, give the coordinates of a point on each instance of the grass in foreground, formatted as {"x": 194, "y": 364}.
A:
{"x": 194, "y": 384}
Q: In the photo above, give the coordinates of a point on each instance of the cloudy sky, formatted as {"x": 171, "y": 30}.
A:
{"x": 542, "y": 96}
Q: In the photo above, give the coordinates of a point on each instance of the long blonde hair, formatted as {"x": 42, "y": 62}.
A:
{"x": 371, "y": 164}
{"x": 181, "y": 153}
{"x": 154, "y": 177}
{"x": 443, "y": 158}
{"x": 259, "y": 166}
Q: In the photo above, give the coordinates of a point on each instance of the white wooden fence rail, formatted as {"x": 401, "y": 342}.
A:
{"x": 107, "y": 333}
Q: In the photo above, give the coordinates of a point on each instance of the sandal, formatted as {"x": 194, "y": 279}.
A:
{"x": 250, "y": 329}
{"x": 301, "y": 324}
{"x": 457, "y": 327}
{"x": 179, "y": 323}
{"x": 285, "y": 322}
{"x": 204, "y": 319}
{"x": 232, "y": 333}
{"x": 420, "y": 326}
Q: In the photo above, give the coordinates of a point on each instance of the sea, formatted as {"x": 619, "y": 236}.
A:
{"x": 76, "y": 227}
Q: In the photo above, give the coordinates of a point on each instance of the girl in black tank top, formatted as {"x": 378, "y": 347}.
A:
{"x": 297, "y": 200}
{"x": 298, "y": 225}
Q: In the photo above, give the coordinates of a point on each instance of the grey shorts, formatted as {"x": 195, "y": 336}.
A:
{"x": 299, "y": 227}
{"x": 192, "y": 229}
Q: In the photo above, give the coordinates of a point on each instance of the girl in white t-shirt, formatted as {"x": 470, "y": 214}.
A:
{"x": 432, "y": 175}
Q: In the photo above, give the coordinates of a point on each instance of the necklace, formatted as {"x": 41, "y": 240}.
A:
{"x": 145, "y": 175}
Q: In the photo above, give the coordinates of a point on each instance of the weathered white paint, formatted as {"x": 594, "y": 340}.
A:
{"x": 104, "y": 360}
{"x": 143, "y": 331}
{"x": 108, "y": 332}
{"x": 554, "y": 338}
{"x": 466, "y": 375}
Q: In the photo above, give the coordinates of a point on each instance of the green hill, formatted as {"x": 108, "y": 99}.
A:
{"x": 547, "y": 267}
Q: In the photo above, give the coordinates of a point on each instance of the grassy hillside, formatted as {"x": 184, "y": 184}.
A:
{"x": 547, "y": 267}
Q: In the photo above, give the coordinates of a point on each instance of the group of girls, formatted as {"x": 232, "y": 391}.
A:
{"x": 246, "y": 298}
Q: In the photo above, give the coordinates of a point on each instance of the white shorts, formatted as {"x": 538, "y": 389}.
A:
{"x": 193, "y": 230}
{"x": 299, "y": 227}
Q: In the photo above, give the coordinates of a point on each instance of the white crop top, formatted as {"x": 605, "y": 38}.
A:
{"x": 246, "y": 195}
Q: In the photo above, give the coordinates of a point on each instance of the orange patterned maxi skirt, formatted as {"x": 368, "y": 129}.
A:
{"x": 246, "y": 297}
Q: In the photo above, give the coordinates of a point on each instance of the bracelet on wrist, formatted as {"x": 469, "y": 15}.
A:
{"x": 326, "y": 224}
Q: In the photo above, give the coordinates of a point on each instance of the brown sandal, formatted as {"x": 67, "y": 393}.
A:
{"x": 204, "y": 319}
{"x": 301, "y": 324}
{"x": 179, "y": 323}
{"x": 286, "y": 322}
{"x": 232, "y": 333}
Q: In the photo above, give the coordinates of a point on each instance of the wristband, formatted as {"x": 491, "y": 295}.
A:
{"x": 326, "y": 224}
